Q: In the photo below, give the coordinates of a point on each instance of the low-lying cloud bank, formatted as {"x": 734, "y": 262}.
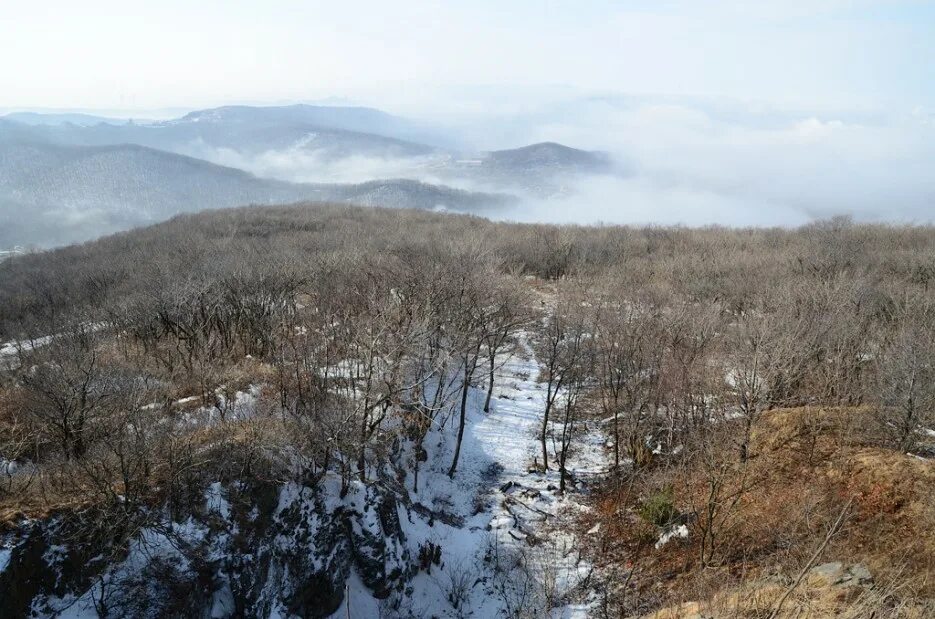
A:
{"x": 641, "y": 200}
{"x": 694, "y": 166}
{"x": 682, "y": 161}
{"x": 304, "y": 165}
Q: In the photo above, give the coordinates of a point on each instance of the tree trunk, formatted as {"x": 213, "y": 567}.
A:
{"x": 542, "y": 436}
{"x": 464, "y": 395}
{"x": 489, "y": 385}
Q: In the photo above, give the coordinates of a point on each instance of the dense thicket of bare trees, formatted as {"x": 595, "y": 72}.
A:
{"x": 368, "y": 327}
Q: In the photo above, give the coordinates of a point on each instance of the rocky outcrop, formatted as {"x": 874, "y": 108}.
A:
{"x": 288, "y": 553}
{"x": 836, "y": 574}
{"x": 48, "y": 559}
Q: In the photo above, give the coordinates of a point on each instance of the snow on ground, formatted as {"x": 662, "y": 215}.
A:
{"x": 9, "y": 351}
{"x": 514, "y": 539}
{"x": 502, "y": 529}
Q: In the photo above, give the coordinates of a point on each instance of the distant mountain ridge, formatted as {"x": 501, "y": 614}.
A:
{"x": 549, "y": 154}
{"x": 56, "y": 118}
{"x": 202, "y": 136}
{"x": 50, "y": 194}
{"x": 68, "y": 177}
{"x": 539, "y": 169}
{"x": 347, "y": 118}
{"x": 330, "y": 132}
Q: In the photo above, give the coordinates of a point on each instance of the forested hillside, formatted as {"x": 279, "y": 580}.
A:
{"x": 54, "y": 194}
{"x": 318, "y": 409}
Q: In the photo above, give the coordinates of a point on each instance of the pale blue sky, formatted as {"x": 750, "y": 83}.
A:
{"x": 132, "y": 54}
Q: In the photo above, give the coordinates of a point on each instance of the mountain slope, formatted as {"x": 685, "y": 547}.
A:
{"x": 345, "y": 118}
{"x": 541, "y": 169}
{"x": 55, "y": 118}
{"x": 334, "y": 132}
{"x": 547, "y": 155}
{"x": 50, "y": 194}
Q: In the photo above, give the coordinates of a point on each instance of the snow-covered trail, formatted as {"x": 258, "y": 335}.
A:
{"x": 507, "y": 434}
{"x": 530, "y": 518}
{"x": 514, "y": 533}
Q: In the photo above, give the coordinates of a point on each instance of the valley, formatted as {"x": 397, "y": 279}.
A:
{"x": 66, "y": 179}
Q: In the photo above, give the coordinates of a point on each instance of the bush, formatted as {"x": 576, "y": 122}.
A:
{"x": 659, "y": 509}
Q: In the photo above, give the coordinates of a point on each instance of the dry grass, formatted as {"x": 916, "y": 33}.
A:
{"x": 806, "y": 466}
{"x": 758, "y": 600}
{"x": 56, "y": 485}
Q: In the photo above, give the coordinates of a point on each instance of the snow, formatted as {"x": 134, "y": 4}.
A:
{"x": 501, "y": 525}
{"x": 241, "y": 406}
{"x": 514, "y": 522}
{"x": 10, "y": 349}
{"x": 151, "y": 545}
{"x": 215, "y": 501}
{"x": 680, "y": 532}
{"x": 358, "y": 602}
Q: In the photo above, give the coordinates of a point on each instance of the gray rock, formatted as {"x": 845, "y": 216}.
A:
{"x": 835, "y": 574}
{"x": 827, "y": 573}
{"x": 860, "y": 574}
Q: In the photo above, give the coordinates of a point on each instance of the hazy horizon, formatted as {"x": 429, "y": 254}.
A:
{"x": 777, "y": 113}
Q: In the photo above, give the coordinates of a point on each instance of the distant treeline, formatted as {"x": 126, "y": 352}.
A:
{"x": 739, "y": 268}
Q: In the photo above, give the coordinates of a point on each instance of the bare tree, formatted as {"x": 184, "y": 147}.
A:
{"x": 509, "y": 316}
{"x": 68, "y": 389}
{"x": 907, "y": 376}
{"x": 559, "y": 347}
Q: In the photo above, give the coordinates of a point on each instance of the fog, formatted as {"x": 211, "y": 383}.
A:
{"x": 304, "y": 165}
{"x": 686, "y": 165}
{"x": 677, "y": 161}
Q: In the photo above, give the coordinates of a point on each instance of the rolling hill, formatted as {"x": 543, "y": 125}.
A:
{"x": 52, "y": 194}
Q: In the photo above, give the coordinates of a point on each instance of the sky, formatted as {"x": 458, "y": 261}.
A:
{"x": 129, "y": 54}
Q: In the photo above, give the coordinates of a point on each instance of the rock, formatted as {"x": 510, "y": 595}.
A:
{"x": 49, "y": 559}
{"x": 316, "y": 554}
{"x": 378, "y": 544}
{"x": 826, "y": 574}
{"x": 860, "y": 575}
{"x": 835, "y": 574}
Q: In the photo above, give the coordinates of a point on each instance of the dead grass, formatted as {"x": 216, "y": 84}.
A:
{"x": 806, "y": 465}
{"x": 758, "y": 600}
